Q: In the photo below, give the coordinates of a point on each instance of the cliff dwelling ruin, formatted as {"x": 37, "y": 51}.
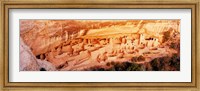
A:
{"x": 99, "y": 45}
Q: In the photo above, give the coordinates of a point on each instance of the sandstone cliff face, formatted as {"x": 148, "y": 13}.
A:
{"x": 27, "y": 59}
{"x": 28, "y": 62}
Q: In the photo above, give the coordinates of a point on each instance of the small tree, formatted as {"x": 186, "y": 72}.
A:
{"x": 166, "y": 35}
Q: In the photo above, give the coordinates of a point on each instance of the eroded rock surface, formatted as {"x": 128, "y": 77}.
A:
{"x": 28, "y": 62}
